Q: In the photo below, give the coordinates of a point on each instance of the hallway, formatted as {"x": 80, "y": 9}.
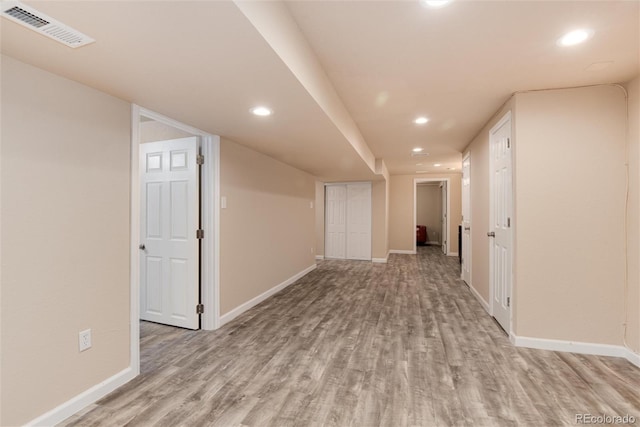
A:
{"x": 362, "y": 344}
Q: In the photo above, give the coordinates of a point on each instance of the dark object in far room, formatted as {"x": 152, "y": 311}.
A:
{"x": 460, "y": 244}
{"x": 421, "y": 235}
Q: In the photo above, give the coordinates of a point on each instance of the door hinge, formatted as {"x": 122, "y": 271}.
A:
{"x": 508, "y": 222}
{"x": 508, "y": 301}
{"x": 200, "y": 159}
{"x": 199, "y": 308}
{"x": 508, "y": 143}
{"x": 200, "y": 234}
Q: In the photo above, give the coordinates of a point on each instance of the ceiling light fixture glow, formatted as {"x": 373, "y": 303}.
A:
{"x": 437, "y": 164}
{"x": 421, "y": 120}
{"x": 417, "y": 150}
{"x": 261, "y": 111}
{"x": 435, "y": 3}
{"x": 575, "y": 37}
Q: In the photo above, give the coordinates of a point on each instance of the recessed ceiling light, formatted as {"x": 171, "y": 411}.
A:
{"x": 261, "y": 111}
{"x": 575, "y": 37}
{"x": 435, "y": 3}
{"x": 437, "y": 164}
{"x": 417, "y": 150}
{"x": 421, "y": 120}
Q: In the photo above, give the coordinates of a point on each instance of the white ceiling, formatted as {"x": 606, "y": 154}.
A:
{"x": 205, "y": 63}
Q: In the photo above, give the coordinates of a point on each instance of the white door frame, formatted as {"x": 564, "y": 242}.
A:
{"x": 501, "y": 122}
{"x": 210, "y": 218}
{"x": 417, "y": 181}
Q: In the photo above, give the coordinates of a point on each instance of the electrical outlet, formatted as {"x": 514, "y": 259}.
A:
{"x": 84, "y": 339}
{"x": 312, "y": 250}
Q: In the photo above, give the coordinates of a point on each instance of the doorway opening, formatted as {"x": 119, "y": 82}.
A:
{"x": 174, "y": 226}
{"x": 432, "y": 204}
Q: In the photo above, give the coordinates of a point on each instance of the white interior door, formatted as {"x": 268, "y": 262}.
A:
{"x": 335, "y": 221}
{"x": 500, "y": 216}
{"x": 359, "y": 221}
{"x": 169, "y": 265}
{"x": 445, "y": 232}
{"x": 466, "y": 220}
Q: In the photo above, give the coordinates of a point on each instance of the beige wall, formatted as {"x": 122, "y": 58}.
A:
{"x": 402, "y": 235}
{"x": 569, "y": 214}
{"x": 429, "y": 210}
{"x": 151, "y": 131}
{"x": 379, "y": 236}
{"x": 267, "y": 231}
{"x": 633, "y": 220}
{"x": 478, "y": 152}
{"x": 65, "y": 239}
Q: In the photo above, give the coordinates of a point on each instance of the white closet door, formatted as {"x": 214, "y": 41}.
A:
{"x": 335, "y": 221}
{"x": 359, "y": 221}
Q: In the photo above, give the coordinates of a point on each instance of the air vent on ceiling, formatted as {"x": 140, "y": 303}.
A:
{"x": 419, "y": 154}
{"x": 43, "y": 24}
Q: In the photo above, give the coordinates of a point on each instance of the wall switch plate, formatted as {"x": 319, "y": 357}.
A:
{"x": 223, "y": 202}
{"x": 84, "y": 340}
{"x": 311, "y": 205}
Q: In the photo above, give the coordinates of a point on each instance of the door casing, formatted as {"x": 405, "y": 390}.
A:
{"x": 210, "y": 222}
{"x": 446, "y": 232}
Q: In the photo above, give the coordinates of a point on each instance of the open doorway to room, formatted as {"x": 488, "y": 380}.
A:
{"x": 431, "y": 219}
{"x": 429, "y": 214}
{"x": 174, "y": 231}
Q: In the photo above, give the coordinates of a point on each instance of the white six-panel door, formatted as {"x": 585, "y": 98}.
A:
{"x": 169, "y": 288}
{"x": 466, "y": 220}
{"x": 336, "y": 221}
{"x": 500, "y": 216}
{"x": 359, "y": 221}
{"x": 348, "y": 221}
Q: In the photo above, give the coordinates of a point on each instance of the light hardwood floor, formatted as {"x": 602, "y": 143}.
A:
{"x": 361, "y": 344}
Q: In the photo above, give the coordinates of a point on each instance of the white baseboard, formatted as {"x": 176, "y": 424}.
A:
{"x": 319, "y": 257}
{"x": 379, "y": 260}
{"x": 632, "y": 357}
{"x": 228, "y": 317}
{"x": 578, "y": 347}
{"x": 434, "y": 243}
{"x": 484, "y": 303}
{"x": 401, "y": 251}
{"x": 84, "y": 399}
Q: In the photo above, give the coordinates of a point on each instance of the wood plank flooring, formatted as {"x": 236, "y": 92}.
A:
{"x": 361, "y": 344}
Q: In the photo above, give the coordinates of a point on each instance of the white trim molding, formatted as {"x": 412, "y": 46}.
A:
{"x": 228, "y": 317}
{"x": 481, "y": 300}
{"x": 84, "y": 399}
{"x": 577, "y": 347}
{"x": 379, "y": 260}
{"x": 319, "y": 257}
{"x": 401, "y": 251}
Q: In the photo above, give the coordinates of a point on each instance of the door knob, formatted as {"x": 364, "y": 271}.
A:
{"x": 141, "y": 246}
{"x": 491, "y": 234}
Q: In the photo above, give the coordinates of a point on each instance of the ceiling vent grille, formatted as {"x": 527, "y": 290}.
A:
{"x": 419, "y": 154}
{"x": 43, "y": 24}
